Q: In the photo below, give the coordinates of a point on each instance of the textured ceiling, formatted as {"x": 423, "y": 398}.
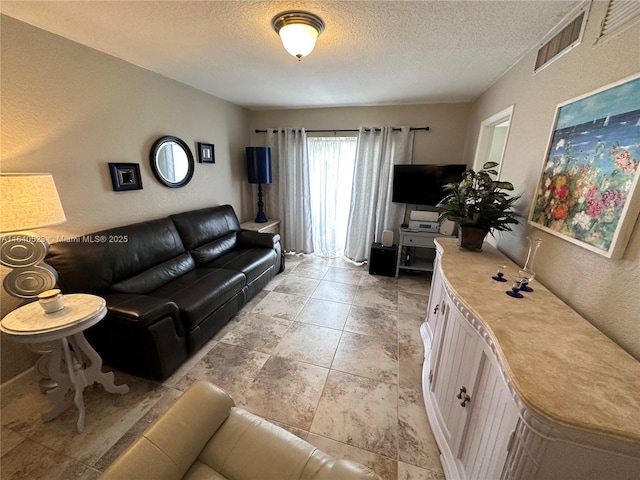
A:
{"x": 371, "y": 52}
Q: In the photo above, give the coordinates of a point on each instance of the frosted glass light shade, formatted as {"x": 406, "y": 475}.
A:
{"x": 29, "y": 201}
{"x": 298, "y": 31}
{"x": 299, "y": 40}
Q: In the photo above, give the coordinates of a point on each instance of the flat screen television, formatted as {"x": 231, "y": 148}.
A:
{"x": 422, "y": 184}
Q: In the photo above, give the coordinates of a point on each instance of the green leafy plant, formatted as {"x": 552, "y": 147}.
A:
{"x": 479, "y": 201}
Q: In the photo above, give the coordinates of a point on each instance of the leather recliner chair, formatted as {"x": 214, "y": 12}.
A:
{"x": 204, "y": 436}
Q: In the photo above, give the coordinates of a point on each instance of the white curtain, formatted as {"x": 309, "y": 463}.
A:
{"x": 288, "y": 198}
{"x": 331, "y": 161}
{"x": 371, "y": 210}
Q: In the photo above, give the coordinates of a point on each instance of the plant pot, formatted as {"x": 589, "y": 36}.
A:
{"x": 471, "y": 238}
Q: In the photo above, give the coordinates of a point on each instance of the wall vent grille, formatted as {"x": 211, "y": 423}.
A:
{"x": 618, "y": 13}
{"x": 567, "y": 38}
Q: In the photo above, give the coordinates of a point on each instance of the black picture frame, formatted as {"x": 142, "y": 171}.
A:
{"x": 206, "y": 153}
{"x": 125, "y": 176}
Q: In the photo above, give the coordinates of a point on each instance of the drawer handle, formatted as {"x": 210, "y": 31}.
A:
{"x": 462, "y": 395}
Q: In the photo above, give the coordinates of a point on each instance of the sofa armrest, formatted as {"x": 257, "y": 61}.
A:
{"x": 141, "y": 310}
{"x": 168, "y": 448}
{"x": 248, "y": 239}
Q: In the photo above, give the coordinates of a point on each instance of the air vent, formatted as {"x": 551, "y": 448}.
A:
{"x": 562, "y": 42}
{"x": 619, "y": 13}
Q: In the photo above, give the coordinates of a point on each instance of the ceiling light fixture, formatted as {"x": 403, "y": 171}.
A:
{"x": 298, "y": 31}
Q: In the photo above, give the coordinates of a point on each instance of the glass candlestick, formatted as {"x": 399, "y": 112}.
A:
{"x": 499, "y": 276}
{"x": 527, "y": 272}
{"x": 515, "y": 289}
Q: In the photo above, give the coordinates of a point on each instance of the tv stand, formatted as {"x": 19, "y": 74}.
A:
{"x": 423, "y": 250}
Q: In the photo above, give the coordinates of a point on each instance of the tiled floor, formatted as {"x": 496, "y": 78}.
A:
{"x": 327, "y": 351}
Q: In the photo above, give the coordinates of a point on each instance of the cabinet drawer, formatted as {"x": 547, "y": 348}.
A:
{"x": 418, "y": 240}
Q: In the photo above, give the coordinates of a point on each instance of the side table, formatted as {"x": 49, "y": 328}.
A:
{"x": 29, "y": 324}
{"x": 270, "y": 226}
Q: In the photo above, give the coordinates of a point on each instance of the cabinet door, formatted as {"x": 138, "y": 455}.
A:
{"x": 433, "y": 321}
{"x": 455, "y": 374}
{"x": 494, "y": 417}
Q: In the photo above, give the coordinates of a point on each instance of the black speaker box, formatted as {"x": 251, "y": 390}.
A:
{"x": 382, "y": 260}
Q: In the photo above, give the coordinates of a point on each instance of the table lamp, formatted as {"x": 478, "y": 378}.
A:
{"x": 259, "y": 171}
{"x": 29, "y": 201}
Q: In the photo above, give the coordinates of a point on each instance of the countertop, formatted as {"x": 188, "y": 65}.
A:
{"x": 559, "y": 364}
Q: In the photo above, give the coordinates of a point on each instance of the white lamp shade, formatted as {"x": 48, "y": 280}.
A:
{"x": 29, "y": 201}
{"x": 298, "y": 39}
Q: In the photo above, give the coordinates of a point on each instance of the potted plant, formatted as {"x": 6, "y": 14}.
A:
{"x": 478, "y": 204}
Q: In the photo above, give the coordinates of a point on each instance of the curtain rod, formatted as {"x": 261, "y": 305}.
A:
{"x": 395, "y": 129}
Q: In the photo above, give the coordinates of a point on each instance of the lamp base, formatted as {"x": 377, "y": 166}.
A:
{"x": 260, "y": 217}
{"x": 24, "y": 253}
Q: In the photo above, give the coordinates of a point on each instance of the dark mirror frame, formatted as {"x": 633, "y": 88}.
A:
{"x": 154, "y": 166}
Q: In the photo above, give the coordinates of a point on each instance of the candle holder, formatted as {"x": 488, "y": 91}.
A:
{"x": 515, "y": 289}
{"x": 499, "y": 276}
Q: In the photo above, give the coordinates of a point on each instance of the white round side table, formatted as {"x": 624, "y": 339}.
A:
{"x": 29, "y": 324}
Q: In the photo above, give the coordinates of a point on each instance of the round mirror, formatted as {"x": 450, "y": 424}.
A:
{"x": 172, "y": 161}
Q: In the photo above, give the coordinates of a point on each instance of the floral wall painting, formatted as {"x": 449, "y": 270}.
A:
{"x": 587, "y": 190}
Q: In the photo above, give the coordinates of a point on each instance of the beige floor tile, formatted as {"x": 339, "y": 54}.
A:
{"x": 416, "y": 444}
{"x": 377, "y": 297}
{"x": 335, "y": 292}
{"x": 33, "y": 461}
{"x": 411, "y": 472}
{"x": 373, "y": 321}
{"x": 367, "y": 356}
{"x": 312, "y": 269}
{"x": 229, "y": 367}
{"x": 343, "y": 275}
{"x": 257, "y": 332}
{"x": 108, "y": 417}
{"x": 10, "y": 440}
{"x": 385, "y": 467}
{"x": 360, "y": 412}
{"x": 410, "y": 360}
{"x": 378, "y": 281}
{"x": 324, "y": 313}
{"x": 286, "y": 391}
{"x": 415, "y": 303}
{"x": 346, "y": 263}
{"x": 274, "y": 282}
{"x": 280, "y": 305}
{"x": 297, "y": 285}
{"x": 411, "y": 282}
{"x": 310, "y": 344}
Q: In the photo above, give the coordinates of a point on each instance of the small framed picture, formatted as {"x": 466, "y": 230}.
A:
{"x": 125, "y": 176}
{"x": 206, "y": 153}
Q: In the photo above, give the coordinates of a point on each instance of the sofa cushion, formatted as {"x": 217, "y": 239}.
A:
{"x": 157, "y": 276}
{"x": 199, "y": 227}
{"x": 252, "y": 262}
{"x": 200, "y": 292}
{"x": 212, "y": 250}
{"x": 94, "y": 262}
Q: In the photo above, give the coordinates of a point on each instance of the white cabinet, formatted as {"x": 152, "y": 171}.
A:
{"x": 490, "y": 420}
{"x": 453, "y": 382}
{"x": 469, "y": 405}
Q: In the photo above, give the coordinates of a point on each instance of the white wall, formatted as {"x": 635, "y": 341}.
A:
{"x": 70, "y": 110}
{"x": 603, "y": 291}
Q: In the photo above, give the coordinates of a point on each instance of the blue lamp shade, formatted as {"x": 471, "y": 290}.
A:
{"x": 259, "y": 165}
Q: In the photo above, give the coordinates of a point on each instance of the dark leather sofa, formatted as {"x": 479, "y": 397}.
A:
{"x": 170, "y": 284}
